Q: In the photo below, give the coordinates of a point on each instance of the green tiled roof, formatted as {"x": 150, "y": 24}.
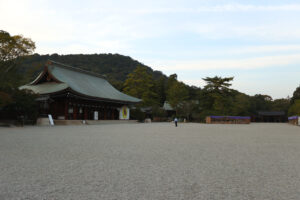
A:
{"x": 80, "y": 81}
{"x": 46, "y": 88}
{"x": 167, "y": 106}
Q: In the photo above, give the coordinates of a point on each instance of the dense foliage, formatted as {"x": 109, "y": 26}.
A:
{"x": 133, "y": 78}
{"x": 21, "y": 106}
{"x": 294, "y": 108}
{"x": 114, "y": 66}
{"x": 154, "y": 88}
{"x": 140, "y": 84}
{"x": 192, "y": 103}
{"x": 14, "y": 104}
{"x": 11, "y": 48}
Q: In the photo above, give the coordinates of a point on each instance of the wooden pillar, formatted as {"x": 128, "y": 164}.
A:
{"x": 75, "y": 111}
{"x": 57, "y": 110}
{"x": 85, "y": 113}
{"x": 89, "y": 112}
{"x": 66, "y": 109}
{"x": 101, "y": 113}
{"x": 105, "y": 113}
{"x": 108, "y": 113}
{"x": 56, "y": 114}
{"x": 53, "y": 109}
{"x": 113, "y": 114}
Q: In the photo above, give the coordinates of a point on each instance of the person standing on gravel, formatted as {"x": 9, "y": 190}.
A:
{"x": 175, "y": 121}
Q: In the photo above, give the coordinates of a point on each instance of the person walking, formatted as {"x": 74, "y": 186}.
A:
{"x": 176, "y": 120}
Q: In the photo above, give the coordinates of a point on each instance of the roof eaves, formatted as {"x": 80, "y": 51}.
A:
{"x": 80, "y": 95}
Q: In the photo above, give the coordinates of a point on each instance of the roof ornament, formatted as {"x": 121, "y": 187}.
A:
{"x": 49, "y": 62}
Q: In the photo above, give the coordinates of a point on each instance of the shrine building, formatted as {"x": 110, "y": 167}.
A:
{"x": 70, "y": 93}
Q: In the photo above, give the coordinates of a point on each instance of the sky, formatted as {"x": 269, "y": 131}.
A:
{"x": 257, "y": 41}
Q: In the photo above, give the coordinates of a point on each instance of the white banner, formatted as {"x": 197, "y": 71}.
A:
{"x": 124, "y": 113}
{"x": 51, "y": 120}
{"x": 96, "y": 115}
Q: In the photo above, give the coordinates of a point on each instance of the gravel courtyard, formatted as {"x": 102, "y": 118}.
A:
{"x": 151, "y": 161}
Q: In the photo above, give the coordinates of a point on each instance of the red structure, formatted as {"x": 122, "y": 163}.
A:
{"x": 227, "y": 120}
{"x": 71, "y": 93}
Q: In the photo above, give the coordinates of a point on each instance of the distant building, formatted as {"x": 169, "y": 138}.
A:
{"x": 270, "y": 116}
{"x": 228, "y": 120}
{"x": 71, "y": 93}
{"x": 169, "y": 109}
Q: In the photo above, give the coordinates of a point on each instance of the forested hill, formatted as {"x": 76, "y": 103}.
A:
{"x": 115, "y": 67}
{"x": 133, "y": 78}
{"x": 215, "y": 98}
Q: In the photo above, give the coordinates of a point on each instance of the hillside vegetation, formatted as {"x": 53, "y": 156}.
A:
{"x": 154, "y": 88}
{"x": 114, "y": 66}
{"x": 19, "y": 66}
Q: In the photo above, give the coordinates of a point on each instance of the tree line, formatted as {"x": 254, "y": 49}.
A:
{"x": 195, "y": 103}
{"x": 15, "y": 104}
{"x": 18, "y": 65}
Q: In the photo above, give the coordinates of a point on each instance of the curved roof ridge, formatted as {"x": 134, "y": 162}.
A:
{"x": 76, "y": 69}
{"x": 86, "y": 83}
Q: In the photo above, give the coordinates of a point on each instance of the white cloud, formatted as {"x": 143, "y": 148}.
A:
{"x": 194, "y": 82}
{"x": 244, "y": 50}
{"x": 249, "y": 63}
{"x": 115, "y": 26}
{"x": 245, "y": 7}
{"x": 276, "y": 31}
{"x": 263, "y": 49}
{"x": 218, "y": 8}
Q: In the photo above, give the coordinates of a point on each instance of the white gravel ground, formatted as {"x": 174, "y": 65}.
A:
{"x": 151, "y": 161}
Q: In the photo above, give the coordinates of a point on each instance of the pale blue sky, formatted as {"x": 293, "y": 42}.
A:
{"x": 257, "y": 42}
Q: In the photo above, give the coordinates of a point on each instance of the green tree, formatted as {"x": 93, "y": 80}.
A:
{"x": 160, "y": 89}
{"x": 194, "y": 92}
{"x": 241, "y": 105}
{"x": 171, "y": 80}
{"x": 218, "y": 84}
{"x": 296, "y": 95}
{"x": 281, "y": 105}
{"x": 140, "y": 84}
{"x": 22, "y": 104}
{"x": 176, "y": 94}
{"x": 260, "y": 102}
{"x": 13, "y": 102}
{"x": 5, "y": 99}
{"x": 294, "y": 108}
{"x": 11, "y": 48}
{"x": 216, "y": 97}
{"x": 158, "y": 112}
{"x": 189, "y": 109}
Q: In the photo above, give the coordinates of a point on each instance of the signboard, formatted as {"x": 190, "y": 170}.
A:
{"x": 96, "y": 115}
{"x": 124, "y": 113}
{"x": 51, "y": 120}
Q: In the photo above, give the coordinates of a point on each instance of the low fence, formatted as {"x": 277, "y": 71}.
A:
{"x": 294, "y": 120}
{"x": 228, "y": 120}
